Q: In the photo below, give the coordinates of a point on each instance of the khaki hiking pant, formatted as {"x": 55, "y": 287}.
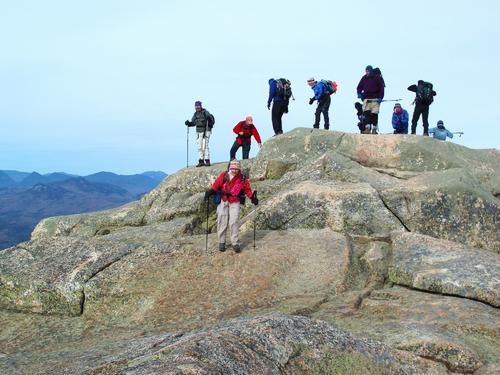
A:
{"x": 371, "y": 105}
{"x": 228, "y": 215}
{"x": 203, "y": 151}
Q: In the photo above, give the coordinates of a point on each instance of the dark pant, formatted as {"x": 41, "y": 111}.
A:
{"x": 277, "y": 112}
{"x": 236, "y": 146}
{"x": 323, "y": 107}
{"x": 420, "y": 109}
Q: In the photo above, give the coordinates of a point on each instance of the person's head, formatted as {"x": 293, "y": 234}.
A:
{"x": 440, "y": 124}
{"x": 234, "y": 167}
{"x": 369, "y": 70}
{"x": 197, "y": 106}
{"x": 249, "y": 120}
{"x": 311, "y": 81}
{"x": 420, "y": 82}
{"x": 397, "y": 108}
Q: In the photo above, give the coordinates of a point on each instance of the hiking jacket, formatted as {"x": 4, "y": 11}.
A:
{"x": 273, "y": 90}
{"x": 230, "y": 189}
{"x": 400, "y": 122}
{"x": 319, "y": 90}
{"x": 441, "y": 133}
{"x": 248, "y": 131}
{"x": 200, "y": 120}
{"x": 371, "y": 87}
{"x": 413, "y": 88}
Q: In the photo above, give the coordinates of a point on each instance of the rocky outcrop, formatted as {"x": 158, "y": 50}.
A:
{"x": 394, "y": 239}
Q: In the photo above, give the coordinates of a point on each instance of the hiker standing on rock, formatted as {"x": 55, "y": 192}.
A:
{"x": 440, "y": 132}
{"x": 400, "y": 120}
{"x": 371, "y": 91}
{"x": 244, "y": 130}
{"x": 232, "y": 186}
{"x": 423, "y": 99}
{"x": 280, "y": 92}
{"x": 204, "y": 122}
{"x": 322, "y": 95}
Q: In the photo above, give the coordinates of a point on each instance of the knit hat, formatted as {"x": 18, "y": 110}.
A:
{"x": 440, "y": 122}
{"x": 369, "y": 68}
{"x": 235, "y": 164}
{"x": 197, "y": 104}
{"x": 249, "y": 120}
{"x": 311, "y": 80}
{"x": 397, "y": 105}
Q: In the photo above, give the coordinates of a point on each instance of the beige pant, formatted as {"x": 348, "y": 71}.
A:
{"x": 203, "y": 151}
{"x": 228, "y": 215}
{"x": 371, "y": 105}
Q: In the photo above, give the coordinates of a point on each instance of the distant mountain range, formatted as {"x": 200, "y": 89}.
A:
{"x": 26, "y": 198}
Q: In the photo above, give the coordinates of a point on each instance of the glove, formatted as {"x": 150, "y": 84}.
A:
{"x": 254, "y": 198}
{"x": 360, "y": 95}
{"x": 379, "y": 100}
{"x": 187, "y": 123}
{"x": 286, "y": 109}
{"x": 311, "y": 101}
{"x": 268, "y": 105}
{"x": 208, "y": 193}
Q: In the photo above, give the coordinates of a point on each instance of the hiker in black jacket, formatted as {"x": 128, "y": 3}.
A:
{"x": 423, "y": 99}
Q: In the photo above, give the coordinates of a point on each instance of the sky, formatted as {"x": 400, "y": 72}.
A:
{"x": 87, "y": 86}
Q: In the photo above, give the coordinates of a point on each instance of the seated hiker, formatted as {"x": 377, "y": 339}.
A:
{"x": 440, "y": 132}
{"x": 233, "y": 187}
{"x": 245, "y": 130}
{"x": 361, "y": 116}
{"x": 400, "y": 120}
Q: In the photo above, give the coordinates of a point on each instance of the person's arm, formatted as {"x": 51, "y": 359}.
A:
{"x": 272, "y": 92}
{"x": 412, "y": 88}
{"x": 449, "y": 134}
{"x": 394, "y": 121}
{"x": 256, "y": 134}
{"x": 381, "y": 91}
{"x": 405, "y": 118}
{"x": 432, "y": 130}
{"x": 359, "y": 89}
{"x": 247, "y": 189}
{"x": 237, "y": 128}
{"x": 219, "y": 181}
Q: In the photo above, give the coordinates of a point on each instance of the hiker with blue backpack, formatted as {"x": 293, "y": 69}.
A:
{"x": 371, "y": 91}
{"x": 230, "y": 188}
{"x": 424, "y": 96}
{"x": 440, "y": 132}
{"x": 322, "y": 91}
{"x": 204, "y": 122}
{"x": 280, "y": 91}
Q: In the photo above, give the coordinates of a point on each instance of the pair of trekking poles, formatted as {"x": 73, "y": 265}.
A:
{"x": 206, "y": 234}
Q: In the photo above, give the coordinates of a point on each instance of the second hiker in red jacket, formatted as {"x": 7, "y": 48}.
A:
{"x": 245, "y": 130}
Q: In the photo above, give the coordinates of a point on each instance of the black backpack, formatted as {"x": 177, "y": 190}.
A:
{"x": 424, "y": 93}
{"x": 210, "y": 119}
{"x": 284, "y": 88}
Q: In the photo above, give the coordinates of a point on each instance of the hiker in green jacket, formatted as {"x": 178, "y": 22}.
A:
{"x": 204, "y": 122}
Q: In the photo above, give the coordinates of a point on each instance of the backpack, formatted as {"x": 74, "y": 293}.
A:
{"x": 210, "y": 119}
{"x": 424, "y": 93}
{"x": 330, "y": 86}
{"x": 378, "y": 72}
{"x": 217, "y": 197}
{"x": 283, "y": 88}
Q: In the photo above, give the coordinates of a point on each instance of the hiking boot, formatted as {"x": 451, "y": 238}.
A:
{"x": 207, "y": 163}
{"x": 426, "y": 134}
{"x": 222, "y": 247}
{"x": 315, "y": 126}
{"x": 200, "y": 163}
{"x": 374, "y": 131}
{"x": 237, "y": 248}
{"x": 366, "y": 131}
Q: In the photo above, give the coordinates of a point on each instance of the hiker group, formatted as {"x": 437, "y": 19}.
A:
{"x": 231, "y": 186}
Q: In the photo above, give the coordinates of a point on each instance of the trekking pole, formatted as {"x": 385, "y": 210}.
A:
{"x": 206, "y": 236}
{"x": 459, "y": 134}
{"x": 255, "y": 195}
{"x": 187, "y": 146}
{"x": 392, "y": 100}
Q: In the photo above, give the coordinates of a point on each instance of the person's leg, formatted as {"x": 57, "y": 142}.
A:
{"x": 275, "y": 117}
{"x": 234, "y": 219}
{"x": 206, "y": 148}
{"x": 246, "y": 151}
{"x": 326, "y": 107}
{"x": 199, "y": 141}
{"x": 425, "y": 119}
{"x": 414, "y": 119}
{"x": 317, "y": 116}
{"x": 283, "y": 108}
{"x": 222, "y": 220}
{"x": 234, "y": 149}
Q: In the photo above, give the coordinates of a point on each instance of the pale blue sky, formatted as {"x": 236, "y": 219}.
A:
{"x": 107, "y": 85}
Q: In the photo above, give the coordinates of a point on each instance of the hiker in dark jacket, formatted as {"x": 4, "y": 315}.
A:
{"x": 230, "y": 183}
{"x": 245, "y": 130}
{"x": 371, "y": 90}
{"x": 400, "y": 120}
{"x": 440, "y": 132}
{"x": 280, "y": 106}
{"x": 323, "y": 97}
{"x": 204, "y": 122}
{"x": 421, "y": 107}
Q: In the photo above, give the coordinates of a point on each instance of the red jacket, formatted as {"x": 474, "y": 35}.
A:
{"x": 248, "y": 131}
{"x": 231, "y": 188}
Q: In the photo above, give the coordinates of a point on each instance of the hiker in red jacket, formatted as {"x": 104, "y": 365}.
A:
{"x": 231, "y": 184}
{"x": 244, "y": 130}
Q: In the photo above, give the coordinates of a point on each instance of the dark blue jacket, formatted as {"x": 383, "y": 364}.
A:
{"x": 273, "y": 90}
{"x": 319, "y": 89}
